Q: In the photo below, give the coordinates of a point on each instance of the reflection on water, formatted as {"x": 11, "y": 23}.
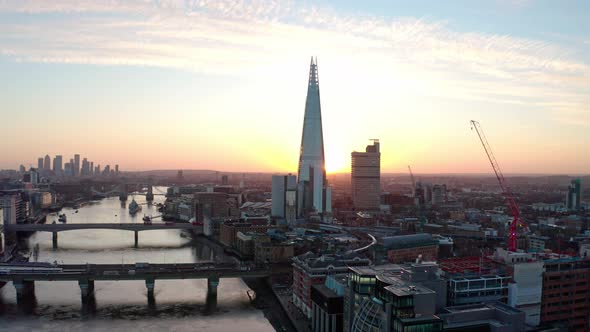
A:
{"x": 123, "y": 305}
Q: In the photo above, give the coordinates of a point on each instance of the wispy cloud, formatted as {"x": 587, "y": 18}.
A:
{"x": 233, "y": 36}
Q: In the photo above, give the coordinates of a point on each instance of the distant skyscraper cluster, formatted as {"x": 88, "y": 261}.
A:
{"x": 75, "y": 167}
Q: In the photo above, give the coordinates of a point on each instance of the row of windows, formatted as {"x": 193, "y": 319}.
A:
{"x": 425, "y": 327}
{"x": 476, "y": 294}
{"x": 567, "y": 277}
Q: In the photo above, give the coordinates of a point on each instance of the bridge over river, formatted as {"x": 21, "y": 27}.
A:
{"x": 23, "y": 276}
{"x": 134, "y": 227}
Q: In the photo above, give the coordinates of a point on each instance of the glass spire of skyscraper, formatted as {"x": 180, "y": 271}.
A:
{"x": 312, "y": 193}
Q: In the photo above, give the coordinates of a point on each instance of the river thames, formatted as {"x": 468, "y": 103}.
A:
{"x": 123, "y": 305}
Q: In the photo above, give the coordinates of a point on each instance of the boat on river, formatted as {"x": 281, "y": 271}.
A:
{"x": 134, "y": 207}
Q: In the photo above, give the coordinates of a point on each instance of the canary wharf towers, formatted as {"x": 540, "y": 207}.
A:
{"x": 313, "y": 193}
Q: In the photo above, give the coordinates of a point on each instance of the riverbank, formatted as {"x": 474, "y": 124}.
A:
{"x": 284, "y": 297}
{"x": 268, "y": 303}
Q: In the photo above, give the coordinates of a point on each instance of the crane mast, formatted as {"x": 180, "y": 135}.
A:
{"x": 510, "y": 201}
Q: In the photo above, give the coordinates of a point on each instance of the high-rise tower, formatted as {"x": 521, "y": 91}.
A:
{"x": 47, "y": 163}
{"x": 365, "y": 177}
{"x": 313, "y": 194}
{"x": 574, "y": 194}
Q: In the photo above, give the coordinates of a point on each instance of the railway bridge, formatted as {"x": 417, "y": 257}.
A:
{"x": 134, "y": 227}
{"x": 23, "y": 276}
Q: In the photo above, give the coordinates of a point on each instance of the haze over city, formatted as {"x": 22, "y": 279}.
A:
{"x": 221, "y": 84}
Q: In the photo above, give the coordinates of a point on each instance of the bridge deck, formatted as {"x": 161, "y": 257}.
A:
{"x": 73, "y": 272}
{"x": 119, "y": 226}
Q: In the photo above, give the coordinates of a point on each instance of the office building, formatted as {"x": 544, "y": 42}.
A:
{"x": 76, "y": 165}
{"x": 40, "y": 164}
{"x": 117, "y": 169}
{"x": 327, "y": 308}
{"x": 439, "y": 194}
{"x": 524, "y": 292}
{"x": 9, "y": 204}
{"x": 566, "y": 293}
{"x": 366, "y": 177}
{"x": 72, "y": 167}
{"x": 489, "y": 316}
{"x": 211, "y": 204}
{"x": 474, "y": 280}
{"x": 224, "y": 180}
{"x": 574, "y": 195}
{"x": 228, "y": 231}
{"x": 272, "y": 252}
{"x": 311, "y": 269}
{"x": 395, "y": 298}
{"x": 471, "y": 289}
{"x": 313, "y": 193}
{"x": 47, "y": 163}
{"x": 284, "y": 198}
{"x": 91, "y": 170}
{"x": 58, "y": 165}
{"x": 68, "y": 171}
{"x": 32, "y": 176}
{"x": 84, "y": 170}
{"x": 405, "y": 248}
{"x": 22, "y": 169}
{"x": 15, "y": 207}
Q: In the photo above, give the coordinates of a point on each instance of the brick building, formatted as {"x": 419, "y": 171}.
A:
{"x": 566, "y": 293}
{"x": 406, "y": 248}
{"x": 228, "y": 231}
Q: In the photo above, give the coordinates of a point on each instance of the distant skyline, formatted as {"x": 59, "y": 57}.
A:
{"x": 221, "y": 85}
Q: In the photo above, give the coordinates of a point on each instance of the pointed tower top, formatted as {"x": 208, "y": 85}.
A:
{"x": 313, "y": 72}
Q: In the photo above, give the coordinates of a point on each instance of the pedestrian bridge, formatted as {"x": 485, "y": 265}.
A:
{"x": 134, "y": 227}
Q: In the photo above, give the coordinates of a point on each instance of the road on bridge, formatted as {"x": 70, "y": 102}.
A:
{"x": 120, "y": 226}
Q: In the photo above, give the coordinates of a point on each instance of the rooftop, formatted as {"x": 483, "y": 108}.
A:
{"x": 407, "y": 241}
{"x": 325, "y": 291}
{"x": 404, "y": 289}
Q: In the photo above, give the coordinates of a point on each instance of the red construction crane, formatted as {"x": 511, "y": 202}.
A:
{"x": 510, "y": 201}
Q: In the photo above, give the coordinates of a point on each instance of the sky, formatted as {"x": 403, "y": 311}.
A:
{"x": 201, "y": 84}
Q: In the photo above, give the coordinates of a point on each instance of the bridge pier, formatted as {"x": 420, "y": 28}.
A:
{"x": 54, "y": 240}
{"x": 151, "y": 285}
{"x": 136, "y": 239}
{"x": 149, "y": 197}
{"x": 24, "y": 289}
{"x": 86, "y": 289}
{"x": 212, "y": 283}
{"x": 123, "y": 192}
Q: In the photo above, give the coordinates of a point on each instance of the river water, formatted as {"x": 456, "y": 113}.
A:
{"x": 123, "y": 305}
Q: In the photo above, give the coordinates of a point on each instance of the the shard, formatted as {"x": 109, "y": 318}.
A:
{"x": 313, "y": 193}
